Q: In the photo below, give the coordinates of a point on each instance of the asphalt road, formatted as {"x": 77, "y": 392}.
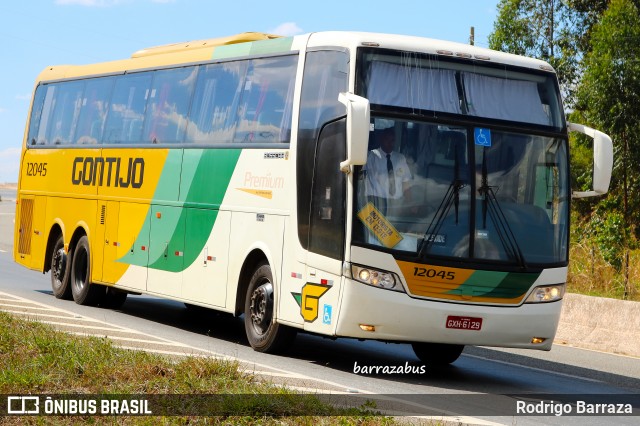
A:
{"x": 331, "y": 365}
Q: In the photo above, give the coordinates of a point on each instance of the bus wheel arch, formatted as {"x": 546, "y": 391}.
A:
{"x": 253, "y": 259}
{"x": 257, "y": 294}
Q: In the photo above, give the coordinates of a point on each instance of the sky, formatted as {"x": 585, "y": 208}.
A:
{"x": 35, "y": 34}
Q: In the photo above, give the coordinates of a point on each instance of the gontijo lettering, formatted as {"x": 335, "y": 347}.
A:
{"x": 108, "y": 171}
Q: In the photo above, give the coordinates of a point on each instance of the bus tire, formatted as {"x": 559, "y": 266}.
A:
{"x": 60, "y": 271}
{"x": 263, "y": 333}
{"x": 83, "y": 291}
{"x": 437, "y": 353}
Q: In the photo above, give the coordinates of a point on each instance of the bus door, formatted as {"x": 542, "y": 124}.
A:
{"x": 321, "y": 292}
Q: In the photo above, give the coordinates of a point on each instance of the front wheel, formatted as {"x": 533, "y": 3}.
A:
{"x": 83, "y": 291}
{"x": 60, "y": 269}
{"x": 263, "y": 333}
{"x": 437, "y": 353}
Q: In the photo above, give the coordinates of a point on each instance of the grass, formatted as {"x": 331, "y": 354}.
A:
{"x": 36, "y": 359}
{"x": 591, "y": 275}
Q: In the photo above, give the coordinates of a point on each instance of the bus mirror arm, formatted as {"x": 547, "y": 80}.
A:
{"x": 602, "y": 160}
{"x": 357, "y": 130}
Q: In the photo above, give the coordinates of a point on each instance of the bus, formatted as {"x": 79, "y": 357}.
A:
{"x": 249, "y": 174}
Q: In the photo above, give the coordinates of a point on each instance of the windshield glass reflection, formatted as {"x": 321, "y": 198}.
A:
{"x": 463, "y": 192}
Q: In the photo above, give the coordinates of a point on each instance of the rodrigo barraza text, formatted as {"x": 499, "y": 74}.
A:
{"x": 562, "y": 409}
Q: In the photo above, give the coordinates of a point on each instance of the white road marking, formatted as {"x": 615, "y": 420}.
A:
{"x": 542, "y": 370}
{"x": 246, "y": 365}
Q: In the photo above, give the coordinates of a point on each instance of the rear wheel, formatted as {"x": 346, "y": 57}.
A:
{"x": 60, "y": 271}
{"x": 437, "y": 353}
{"x": 264, "y": 334}
{"x": 83, "y": 291}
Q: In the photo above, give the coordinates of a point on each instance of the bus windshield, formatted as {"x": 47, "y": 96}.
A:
{"x": 467, "y": 191}
{"x": 420, "y": 83}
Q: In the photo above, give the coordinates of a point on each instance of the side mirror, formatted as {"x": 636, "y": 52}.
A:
{"x": 602, "y": 160}
{"x": 357, "y": 130}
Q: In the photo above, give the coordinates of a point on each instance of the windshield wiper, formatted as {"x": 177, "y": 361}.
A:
{"x": 491, "y": 205}
{"x": 451, "y": 198}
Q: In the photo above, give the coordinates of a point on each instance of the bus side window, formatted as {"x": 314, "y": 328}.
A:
{"x": 168, "y": 105}
{"x": 66, "y": 110}
{"x": 326, "y": 75}
{"x": 126, "y": 112}
{"x": 264, "y": 112}
{"x": 37, "y": 114}
{"x": 93, "y": 111}
{"x": 212, "y": 116}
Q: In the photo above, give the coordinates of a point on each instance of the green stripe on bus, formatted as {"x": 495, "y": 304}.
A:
{"x": 202, "y": 182}
{"x": 260, "y": 47}
{"x": 500, "y": 285}
{"x": 479, "y": 283}
{"x": 514, "y": 285}
{"x": 205, "y": 179}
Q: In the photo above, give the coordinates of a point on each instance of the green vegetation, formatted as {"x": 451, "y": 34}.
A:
{"x": 36, "y": 359}
{"x": 592, "y": 275}
{"x": 594, "y": 46}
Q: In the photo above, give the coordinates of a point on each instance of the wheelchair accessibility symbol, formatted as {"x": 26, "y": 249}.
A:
{"x": 326, "y": 317}
{"x": 482, "y": 136}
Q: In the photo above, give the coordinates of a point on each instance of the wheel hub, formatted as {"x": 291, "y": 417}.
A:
{"x": 59, "y": 264}
{"x": 261, "y": 307}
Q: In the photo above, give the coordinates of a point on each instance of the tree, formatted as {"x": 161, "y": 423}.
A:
{"x": 557, "y": 31}
{"x": 544, "y": 29}
{"x": 609, "y": 98}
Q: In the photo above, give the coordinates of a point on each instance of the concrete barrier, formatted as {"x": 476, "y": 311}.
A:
{"x": 602, "y": 324}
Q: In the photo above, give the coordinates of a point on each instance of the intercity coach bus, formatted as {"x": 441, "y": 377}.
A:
{"x": 247, "y": 174}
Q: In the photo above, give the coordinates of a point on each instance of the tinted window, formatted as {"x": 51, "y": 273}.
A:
{"x": 45, "y": 116}
{"x": 66, "y": 109}
{"x": 327, "y": 228}
{"x": 247, "y": 101}
{"x": 93, "y": 111}
{"x": 126, "y": 113}
{"x": 325, "y": 76}
{"x": 168, "y": 105}
{"x": 212, "y": 118}
{"x": 240, "y": 101}
{"x": 36, "y": 113}
{"x": 264, "y": 112}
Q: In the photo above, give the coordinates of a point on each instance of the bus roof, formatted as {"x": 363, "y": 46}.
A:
{"x": 238, "y": 45}
{"x": 424, "y": 45}
{"x": 203, "y": 44}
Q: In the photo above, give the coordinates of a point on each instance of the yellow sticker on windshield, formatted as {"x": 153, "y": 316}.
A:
{"x": 383, "y": 230}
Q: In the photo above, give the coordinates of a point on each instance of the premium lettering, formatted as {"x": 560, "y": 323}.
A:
{"x": 108, "y": 171}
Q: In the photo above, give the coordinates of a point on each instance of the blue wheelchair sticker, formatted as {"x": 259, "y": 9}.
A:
{"x": 482, "y": 136}
{"x": 326, "y": 316}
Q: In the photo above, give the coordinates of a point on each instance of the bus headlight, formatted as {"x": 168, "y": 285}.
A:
{"x": 547, "y": 293}
{"x": 376, "y": 278}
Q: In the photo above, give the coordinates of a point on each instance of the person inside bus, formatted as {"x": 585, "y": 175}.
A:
{"x": 387, "y": 172}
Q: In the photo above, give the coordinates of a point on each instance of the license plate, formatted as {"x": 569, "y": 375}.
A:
{"x": 464, "y": 323}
